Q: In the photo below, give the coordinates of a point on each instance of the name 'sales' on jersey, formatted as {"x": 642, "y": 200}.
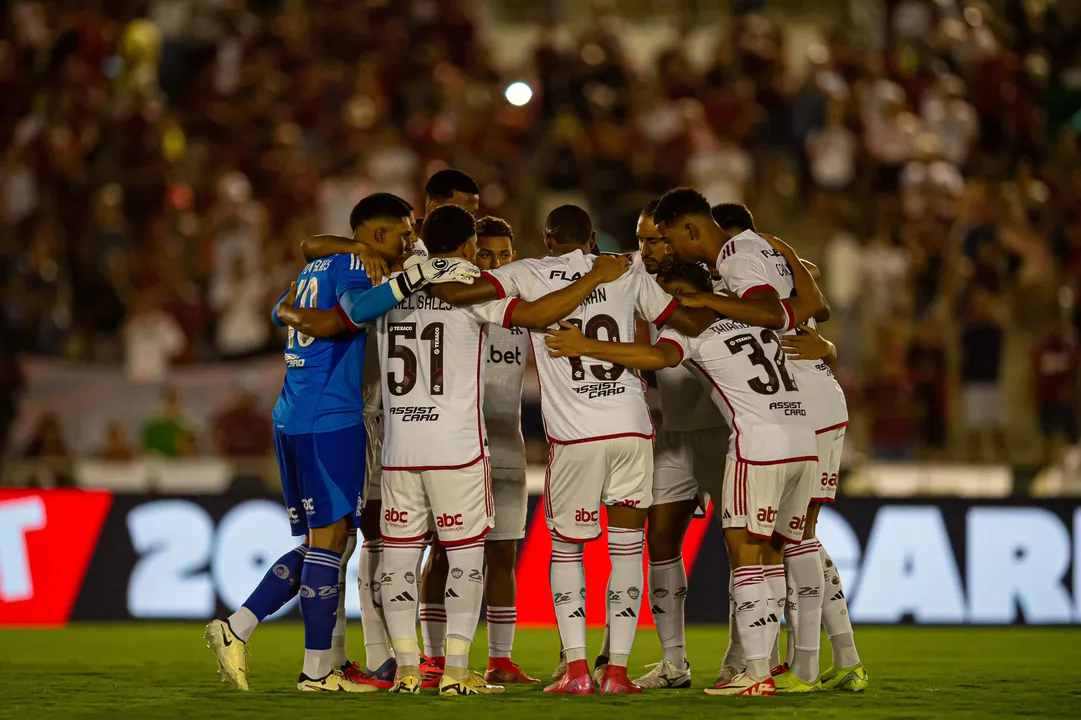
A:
{"x": 583, "y": 398}
{"x": 748, "y": 263}
{"x": 322, "y": 392}
{"x": 504, "y": 376}
{"x": 753, "y": 389}
{"x": 686, "y": 404}
{"x": 431, "y": 358}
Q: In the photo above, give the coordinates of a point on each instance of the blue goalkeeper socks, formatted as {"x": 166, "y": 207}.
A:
{"x": 278, "y": 586}
{"x": 319, "y": 605}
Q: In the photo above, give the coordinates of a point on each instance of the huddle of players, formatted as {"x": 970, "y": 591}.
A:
{"x": 436, "y": 473}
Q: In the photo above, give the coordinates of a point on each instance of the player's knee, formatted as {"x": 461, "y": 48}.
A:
{"x": 331, "y": 537}
{"x": 743, "y": 548}
{"x": 663, "y": 541}
{"x": 370, "y": 518}
{"x": 624, "y": 516}
{"x": 811, "y": 525}
{"x": 773, "y": 551}
{"x": 500, "y": 555}
{"x": 437, "y": 559}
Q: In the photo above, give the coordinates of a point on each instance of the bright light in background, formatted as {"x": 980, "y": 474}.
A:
{"x": 518, "y": 94}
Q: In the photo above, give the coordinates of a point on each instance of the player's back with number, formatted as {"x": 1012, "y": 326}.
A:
{"x": 322, "y": 388}
{"x": 583, "y": 398}
{"x": 755, "y": 390}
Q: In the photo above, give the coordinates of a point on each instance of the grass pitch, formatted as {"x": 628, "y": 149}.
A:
{"x": 164, "y": 671}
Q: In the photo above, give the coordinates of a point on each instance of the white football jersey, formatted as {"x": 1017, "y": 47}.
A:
{"x": 371, "y": 386}
{"x": 582, "y": 398}
{"x": 753, "y": 389}
{"x": 748, "y": 263}
{"x": 685, "y": 400}
{"x": 430, "y": 354}
{"x": 504, "y": 374}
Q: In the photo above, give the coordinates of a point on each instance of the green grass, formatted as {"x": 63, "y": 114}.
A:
{"x": 164, "y": 671}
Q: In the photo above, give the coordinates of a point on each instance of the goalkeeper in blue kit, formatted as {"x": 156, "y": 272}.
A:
{"x": 319, "y": 441}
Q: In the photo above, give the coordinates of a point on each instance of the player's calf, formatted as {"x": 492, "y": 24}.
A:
{"x": 499, "y": 594}
{"x": 319, "y": 593}
{"x": 433, "y": 614}
{"x": 668, "y": 581}
{"x": 625, "y": 544}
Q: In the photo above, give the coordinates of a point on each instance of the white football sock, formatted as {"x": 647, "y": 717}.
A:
{"x": 400, "y": 598}
{"x": 775, "y": 590}
{"x": 835, "y": 616}
{"x": 804, "y": 609}
{"x": 733, "y": 656}
{"x": 752, "y": 611}
{"x": 569, "y": 595}
{"x": 433, "y": 629}
{"x": 501, "y": 624}
{"x": 376, "y": 649}
{"x": 668, "y": 593}
{"x": 243, "y": 623}
{"x": 463, "y": 595}
{"x": 338, "y": 655}
{"x": 624, "y": 590}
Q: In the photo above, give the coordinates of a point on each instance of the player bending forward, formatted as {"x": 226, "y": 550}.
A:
{"x": 435, "y": 456}
{"x": 317, "y": 430}
{"x": 600, "y": 432}
{"x": 771, "y": 457}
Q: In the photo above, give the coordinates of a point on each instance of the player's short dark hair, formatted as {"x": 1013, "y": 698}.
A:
{"x": 569, "y": 225}
{"x": 694, "y": 274}
{"x": 381, "y": 206}
{"x": 445, "y": 183}
{"x": 733, "y": 216}
{"x": 678, "y": 203}
{"x": 489, "y": 226}
{"x": 447, "y": 228}
{"x": 651, "y": 209}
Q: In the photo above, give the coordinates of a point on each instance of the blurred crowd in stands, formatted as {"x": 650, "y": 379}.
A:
{"x": 164, "y": 158}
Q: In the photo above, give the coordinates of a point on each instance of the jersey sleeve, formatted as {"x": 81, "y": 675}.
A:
{"x": 681, "y": 341}
{"x": 744, "y": 273}
{"x": 357, "y": 301}
{"x": 511, "y": 280}
{"x": 496, "y": 312}
{"x": 650, "y": 301}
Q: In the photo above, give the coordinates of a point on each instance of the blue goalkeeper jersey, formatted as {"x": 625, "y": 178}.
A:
{"x": 322, "y": 388}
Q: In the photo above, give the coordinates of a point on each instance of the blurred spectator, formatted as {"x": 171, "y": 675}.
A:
{"x": 48, "y": 449}
{"x": 243, "y": 326}
{"x": 116, "y": 448}
{"x": 242, "y": 431}
{"x": 152, "y": 338}
{"x": 890, "y": 405}
{"x": 166, "y": 434}
{"x": 832, "y": 151}
{"x": 926, "y": 363}
{"x": 981, "y": 374}
{"x": 1054, "y": 370}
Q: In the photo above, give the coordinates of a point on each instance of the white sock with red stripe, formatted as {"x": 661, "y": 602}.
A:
{"x": 749, "y": 589}
{"x": 803, "y": 612}
{"x": 400, "y": 595}
{"x": 501, "y": 624}
{"x": 835, "y": 615}
{"x": 433, "y": 629}
{"x": 668, "y": 593}
{"x": 734, "y": 655}
{"x": 775, "y": 592}
{"x": 464, "y": 594}
{"x": 569, "y": 595}
{"x": 624, "y": 591}
{"x": 376, "y": 649}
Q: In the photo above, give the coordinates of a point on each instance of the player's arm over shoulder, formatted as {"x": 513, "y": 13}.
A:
{"x": 568, "y": 341}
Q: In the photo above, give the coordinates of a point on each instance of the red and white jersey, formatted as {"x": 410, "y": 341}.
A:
{"x": 748, "y": 263}
{"x": 504, "y": 375}
{"x": 753, "y": 389}
{"x": 685, "y": 400}
{"x": 583, "y": 399}
{"x": 431, "y": 357}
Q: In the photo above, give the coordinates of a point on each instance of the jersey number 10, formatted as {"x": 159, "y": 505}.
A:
{"x": 307, "y": 297}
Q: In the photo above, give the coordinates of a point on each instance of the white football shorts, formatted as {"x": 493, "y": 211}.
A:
{"x": 583, "y": 476}
{"x": 689, "y": 465}
{"x": 511, "y": 504}
{"x": 768, "y": 499}
{"x": 455, "y": 504}
{"x": 830, "y": 445}
{"x": 373, "y": 469}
